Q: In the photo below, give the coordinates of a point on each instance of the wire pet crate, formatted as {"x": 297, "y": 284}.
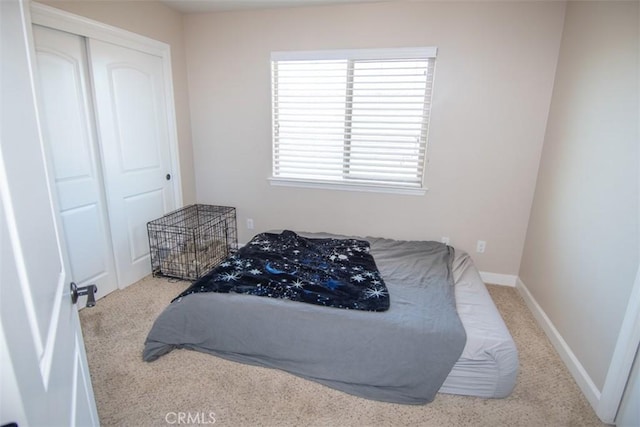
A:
{"x": 191, "y": 241}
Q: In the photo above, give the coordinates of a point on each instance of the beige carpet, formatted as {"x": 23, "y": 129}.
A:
{"x": 202, "y": 389}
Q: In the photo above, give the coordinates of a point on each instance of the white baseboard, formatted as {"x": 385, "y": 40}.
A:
{"x": 499, "y": 279}
{"x": 580, "y": 375}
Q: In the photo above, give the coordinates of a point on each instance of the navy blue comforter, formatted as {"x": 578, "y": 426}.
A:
{"x": 331, "y": 272}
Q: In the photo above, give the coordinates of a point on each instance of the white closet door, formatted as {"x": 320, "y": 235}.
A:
{"x": 132, "y": 124}
{"x": 67, "y": 124}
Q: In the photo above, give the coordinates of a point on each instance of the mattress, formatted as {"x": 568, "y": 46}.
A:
{"x": 488, "y": 366}
{"x": 336, "y": 346}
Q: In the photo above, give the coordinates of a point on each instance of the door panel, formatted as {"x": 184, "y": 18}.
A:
{"x": 134, "y": 96}
{"x": 85, "y": 243}
{"x": 133, "y": 128}
{"x": 67, "y": 119}
{"x": 138, "y": 209}
{"x": 62, "y": 77}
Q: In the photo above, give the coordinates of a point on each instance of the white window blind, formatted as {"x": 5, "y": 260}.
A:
{"x": 352, "y": 116}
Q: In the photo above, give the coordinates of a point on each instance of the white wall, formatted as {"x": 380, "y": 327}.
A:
{"x": 494, "y": 77}
{"x": 581, "y": 251}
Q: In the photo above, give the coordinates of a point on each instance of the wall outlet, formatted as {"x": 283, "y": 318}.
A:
{"x": 444, "y": 240}
{"x": 249, "y": 223}
{"x": 481, "y": 246}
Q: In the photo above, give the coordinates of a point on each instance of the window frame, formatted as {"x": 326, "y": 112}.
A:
{"x": 350, "y": 55}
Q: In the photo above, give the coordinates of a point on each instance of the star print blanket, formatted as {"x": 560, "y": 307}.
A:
{"x": 331, "y": 272}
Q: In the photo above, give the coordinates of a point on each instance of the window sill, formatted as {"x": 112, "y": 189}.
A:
{"x": 328, "y": 185}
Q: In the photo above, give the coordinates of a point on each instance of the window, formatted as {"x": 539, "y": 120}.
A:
{"x": 352, "y": 118}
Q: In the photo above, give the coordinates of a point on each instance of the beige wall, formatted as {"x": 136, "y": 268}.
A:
{"x": 581, "y": 251}
{"x": 156, "y": 21}
{"x": 494, "y": 77}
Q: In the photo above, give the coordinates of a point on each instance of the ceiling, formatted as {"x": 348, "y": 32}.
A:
{"x": 200, "y": 6}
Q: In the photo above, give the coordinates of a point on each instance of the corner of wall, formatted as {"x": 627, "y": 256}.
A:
{"x": 579, "y": 374}
{"x": 499, "y": 279}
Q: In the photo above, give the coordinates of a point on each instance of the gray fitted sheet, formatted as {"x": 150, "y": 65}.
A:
{"x": 488, "y": 366}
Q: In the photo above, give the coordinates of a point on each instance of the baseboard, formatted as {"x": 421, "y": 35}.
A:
{"x": 499, "y": 279}
{"x": 580, "y": 375}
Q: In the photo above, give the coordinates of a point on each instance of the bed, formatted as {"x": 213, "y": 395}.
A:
{"x": 449, "y": 339}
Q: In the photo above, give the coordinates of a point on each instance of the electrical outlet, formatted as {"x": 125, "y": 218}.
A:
{"x": 444, "y": 240}
{"x": 481, "y": 246}
{"x": 249, "y": 224}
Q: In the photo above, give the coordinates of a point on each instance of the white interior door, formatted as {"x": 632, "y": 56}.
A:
{"x": 132, "y": 123}
{"x": 45, "y": 377}
{"x": 68, "y": 128}
{"x": 629, "y": 412}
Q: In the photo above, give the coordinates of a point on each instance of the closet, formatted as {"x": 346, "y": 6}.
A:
{"x": 106, "y": 115}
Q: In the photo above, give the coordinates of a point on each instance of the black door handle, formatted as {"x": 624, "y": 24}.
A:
{"x": 89, "y": 291}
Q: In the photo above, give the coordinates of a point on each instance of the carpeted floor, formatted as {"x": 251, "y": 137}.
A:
{"x": 188, "y": 387}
